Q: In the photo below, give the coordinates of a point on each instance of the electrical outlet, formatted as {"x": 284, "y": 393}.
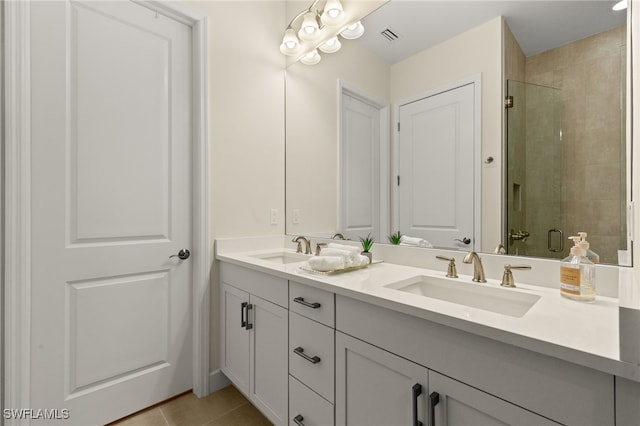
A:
{"x": 274, "y": 216}
{"x": 296, "y": 216}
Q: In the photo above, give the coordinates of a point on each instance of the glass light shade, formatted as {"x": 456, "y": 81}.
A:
{"x": 353, "y": 31}
{"x": 330, "y": 46}
{"x": 290, "y": 43}
{"x": 333, "y": 13}
{"x": 621, "y": 5}
{"x": 309, "y": 29}
{"x": 311, "y": 58}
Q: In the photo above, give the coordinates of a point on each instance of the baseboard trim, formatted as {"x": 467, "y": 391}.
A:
{"x": 217, "y": 381}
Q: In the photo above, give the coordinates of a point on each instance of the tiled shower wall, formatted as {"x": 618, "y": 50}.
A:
{"x": 590, "y": 73}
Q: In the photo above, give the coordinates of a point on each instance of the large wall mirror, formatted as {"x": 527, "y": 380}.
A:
{"x": 541, "y": 89}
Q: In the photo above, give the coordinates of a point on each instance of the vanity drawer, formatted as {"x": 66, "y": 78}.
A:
{"x": 311, "y": 354}
{"x": 308, "y": 407}
{"x": 312, "y": 303}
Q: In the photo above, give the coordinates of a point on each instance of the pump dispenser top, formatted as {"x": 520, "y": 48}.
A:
{"x": 589, "y": 254}
{"x": 577, "y": 274}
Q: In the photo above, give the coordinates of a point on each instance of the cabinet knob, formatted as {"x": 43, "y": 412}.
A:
{"x": 298, "y": 420}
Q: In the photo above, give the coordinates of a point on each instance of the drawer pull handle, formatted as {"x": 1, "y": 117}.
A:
{"x": 300, "y": 300}
{"x": 416, "y": 391}
{"x": 434, "y": 398}
{"x": 249, "y": 325}
{"x": 311, "y": 359}
{"x": 298, "y": 420}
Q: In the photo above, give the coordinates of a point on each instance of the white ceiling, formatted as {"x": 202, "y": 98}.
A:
{"x": 538, "y": 25}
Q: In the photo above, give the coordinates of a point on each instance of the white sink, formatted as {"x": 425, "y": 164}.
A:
{"x": 282, "y": 257}
{"x": 503, "y": 301}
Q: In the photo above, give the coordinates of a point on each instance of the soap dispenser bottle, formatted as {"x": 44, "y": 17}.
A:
{"x": 577, "y": 275}
{"x": 589, "y": 254}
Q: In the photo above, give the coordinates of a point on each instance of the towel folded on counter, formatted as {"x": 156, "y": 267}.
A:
{"x": 414, "y": 241}
{"x": 337, "y": 256}
{"x": 351, "y": 249}
{"x": 326, "y": 263}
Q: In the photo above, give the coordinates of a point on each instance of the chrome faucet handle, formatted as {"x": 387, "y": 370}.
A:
{"x": 507, "y": 277}
{"x": 451, "y": 269}
{"x": 319, "y": 247}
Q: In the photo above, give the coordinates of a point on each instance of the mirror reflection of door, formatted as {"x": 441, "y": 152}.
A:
{"x": 363, "y": 148}
{"x": 436, "y": 177}
{"x": 535, "y": 171}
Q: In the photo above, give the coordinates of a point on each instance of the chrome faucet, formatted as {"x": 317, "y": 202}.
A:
{"x": 307, "y": 244}
{"x": 478, "y": 271}
{"x": 337, "y": 236}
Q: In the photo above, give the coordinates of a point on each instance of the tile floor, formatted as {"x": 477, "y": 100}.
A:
{"x": 226, "y": 407}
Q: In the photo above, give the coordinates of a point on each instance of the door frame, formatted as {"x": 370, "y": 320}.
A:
{"x": 16, "y": 245}
{"x": 384, "y": 109}
{"x": 476, "y": 80}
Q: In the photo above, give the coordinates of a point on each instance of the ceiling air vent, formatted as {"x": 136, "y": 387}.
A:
{"x": 389, "y": 34}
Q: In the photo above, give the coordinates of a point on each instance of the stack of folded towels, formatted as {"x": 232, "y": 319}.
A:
{"x": 337, "y": 256}
{"x": 414, "y": 241}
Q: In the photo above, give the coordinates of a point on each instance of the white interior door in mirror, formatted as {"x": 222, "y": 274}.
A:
{"x": 359, "y": 168}
{"x": 436, "y": 168}
{"x": 111, "y": 194}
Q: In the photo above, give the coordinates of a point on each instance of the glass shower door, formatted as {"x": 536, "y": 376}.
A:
{"x": 534, "y": 171}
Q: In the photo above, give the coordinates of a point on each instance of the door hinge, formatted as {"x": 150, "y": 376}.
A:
{"x": 398, "y": 126}
{"x": 398, "y": 180}
{"x": 508, "y": 102}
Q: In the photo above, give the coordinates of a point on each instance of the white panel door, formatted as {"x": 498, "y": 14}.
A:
{"x": 359, "y": 169}
{"x": 436, "y": 168}
{"x": 111, "y": 196}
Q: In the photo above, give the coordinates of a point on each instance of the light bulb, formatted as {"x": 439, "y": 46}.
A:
{"x": 330, "y": 46}
{"x": 309, "y": 29}
{"x": 290, "y": 44}
{"x": 353, "y": 31}
{"x": 311, "y": 58}
{"x": 333, "y": 13}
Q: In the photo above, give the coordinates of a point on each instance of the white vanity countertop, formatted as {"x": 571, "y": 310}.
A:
{"x": 583, "y": 333}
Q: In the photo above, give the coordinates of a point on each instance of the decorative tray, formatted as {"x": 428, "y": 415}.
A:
{"x": 339, "y": 271}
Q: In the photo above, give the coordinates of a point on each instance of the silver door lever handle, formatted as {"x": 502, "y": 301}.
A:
{"x": 182, "y": 254}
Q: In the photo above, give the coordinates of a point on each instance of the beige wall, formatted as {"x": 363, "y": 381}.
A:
{"x": 246, "y": 124}
{"x": 312, "y": 131}
{"x": 477, "y": 51}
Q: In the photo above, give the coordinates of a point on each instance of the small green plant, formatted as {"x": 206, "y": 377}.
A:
{"x": 395, "y": 238}
{"x": 366, "y": 242}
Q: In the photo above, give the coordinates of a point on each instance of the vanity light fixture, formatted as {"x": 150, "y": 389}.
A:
{"x": 621, "y": 5}
{"x": 311, "y": 36}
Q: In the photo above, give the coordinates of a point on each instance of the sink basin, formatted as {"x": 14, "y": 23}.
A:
{"x": 498, "y": 300}
{"x": 283, "y": 257}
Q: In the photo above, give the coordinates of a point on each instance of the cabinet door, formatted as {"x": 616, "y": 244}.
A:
{"x": 234, "y": 336}
{"x": 460, "y": 404}
{"x": 375, "y": 387}
{"x": 269, "y": 360}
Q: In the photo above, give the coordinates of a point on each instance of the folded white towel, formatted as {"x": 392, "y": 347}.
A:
{"x": 351, "y": 249}
{"x": 326, "y": 263}
{"x": 415, "y": 241}
{"x": 328, "y": 251}
{"x": 361, "y": 260}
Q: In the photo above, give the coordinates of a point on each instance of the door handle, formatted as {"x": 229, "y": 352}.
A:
{"x": 465, "y": 240}
{"x": 183, "y": 254}
{"x": 416, "y": 391}
{"x": 434, "y": 399}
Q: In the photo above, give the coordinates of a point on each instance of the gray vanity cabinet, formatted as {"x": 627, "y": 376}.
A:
{"x": 254, "y": 338}
{"x": 376, "y": 387}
